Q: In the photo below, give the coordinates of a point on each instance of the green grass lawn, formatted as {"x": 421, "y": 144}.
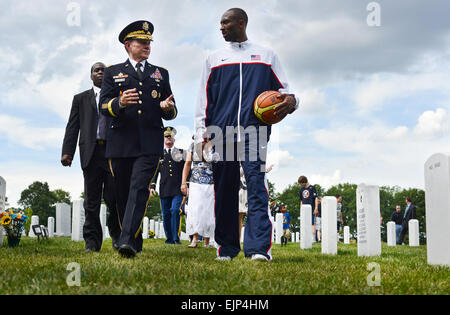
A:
{"x": 41, "y": 268}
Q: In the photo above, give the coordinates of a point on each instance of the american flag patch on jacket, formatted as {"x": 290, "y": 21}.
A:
{"x": 256, "y": 57}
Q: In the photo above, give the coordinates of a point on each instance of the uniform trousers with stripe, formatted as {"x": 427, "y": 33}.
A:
{"x": 258, "y": 229}
{"x": 132, "y": 180}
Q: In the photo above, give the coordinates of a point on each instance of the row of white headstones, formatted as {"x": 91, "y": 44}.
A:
{"x": 437, "y": 202}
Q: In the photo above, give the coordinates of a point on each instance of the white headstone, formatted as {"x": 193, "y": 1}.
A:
{"x": 106, "y": 235}
{"x": 413, "y": 229}
{"x": 77, "y": 220}
{"x": 297, "y": 237}
{"x": 156, "y": 229}
{"x": 272, "y": 220}
{"x": 242, "y": 234}
{"x": 437, "y": 208}
{"x": 103, "y": 209}
{"x": 51, "y": 226}
{"x": 293, "y": 237}
{"x": 278, "y": 227}
{"x": 34, "y": 221}
{"x": 2, "y": 235}
{"x": 161, "y": 230}
{"x": 346, "y": 235}
{"x": 368, "y": 220}
{"x": 184, "y": 237}
{"x": 145, "y": 228}
{"x": 391, "y": 235}
{"x": 329, "y": 225}
{"x": 305, "y": 227}
{"x": 63, "y": 221}
{"x": 152, "y": 225}
{"x": 2, "y": 194}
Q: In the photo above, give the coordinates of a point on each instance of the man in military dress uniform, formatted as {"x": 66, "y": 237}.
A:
{"x": 171, "y": 171}
{"x": 137, "y": 95}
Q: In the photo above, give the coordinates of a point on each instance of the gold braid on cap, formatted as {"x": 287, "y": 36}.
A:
{"x": 139, "y": 35}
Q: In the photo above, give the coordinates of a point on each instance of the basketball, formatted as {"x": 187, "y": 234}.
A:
{"x": 265, "y": 105}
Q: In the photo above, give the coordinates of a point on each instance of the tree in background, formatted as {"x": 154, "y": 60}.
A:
{"x": 42, "y": 200}
{"x": 389, "y": 198}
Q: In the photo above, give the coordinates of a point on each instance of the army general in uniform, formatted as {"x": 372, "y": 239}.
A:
{"x": 137, "y": 95}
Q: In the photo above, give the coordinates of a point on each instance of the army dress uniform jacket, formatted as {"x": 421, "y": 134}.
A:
{"x": 171, "y": 171}
{"x": 137, "y": 129}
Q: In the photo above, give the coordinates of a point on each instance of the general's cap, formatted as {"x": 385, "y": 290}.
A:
{"x": 137, "y": 30}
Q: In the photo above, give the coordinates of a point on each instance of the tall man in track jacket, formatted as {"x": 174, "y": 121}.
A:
{"x": 232, "y": 79}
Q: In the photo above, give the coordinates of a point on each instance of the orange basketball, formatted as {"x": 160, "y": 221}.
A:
{"x": 265, "y": 105}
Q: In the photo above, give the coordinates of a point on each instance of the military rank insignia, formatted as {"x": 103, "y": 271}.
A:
{"x": 120, "y": 77}
{"x": 156, "y": 75}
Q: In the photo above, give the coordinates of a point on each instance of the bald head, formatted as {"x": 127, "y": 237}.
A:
{"x": 233, "y": 25}
{"x": 239, "y": 15}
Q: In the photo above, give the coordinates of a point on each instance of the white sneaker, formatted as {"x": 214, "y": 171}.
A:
{"x": 259, "y": 257}
{"x": 223, "y": 258}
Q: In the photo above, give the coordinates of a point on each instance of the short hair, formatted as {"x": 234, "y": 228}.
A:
{"x": 337, "y": 196}
{"x": 97, "y": 63}
{"x": 302, "y": 180}
{"x": 408, "y": 198}
{"x": 240, "y": 14}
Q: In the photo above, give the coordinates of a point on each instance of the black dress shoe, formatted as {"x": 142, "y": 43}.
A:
{"x": 115, "y": 244}
{"x": 177, "y": 243}
{"x": 88, "y": 250}
{"x": 127, "y": 251}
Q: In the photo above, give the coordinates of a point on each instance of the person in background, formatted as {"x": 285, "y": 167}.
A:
{"x": 397, "y": 217}
{"x": 170, "y": 171}
{"x": 308, "y": 196}
{"x": 340, "y": 220}
{"x": 286, "y": 226}
{"x": 410, "y": 213}
{"x": 200, "y": 218}
{"x": 318, "y": 220}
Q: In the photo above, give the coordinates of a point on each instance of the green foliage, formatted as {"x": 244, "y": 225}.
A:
{"x": 389, "y": 198}
{"x": 42, "y": 200}
{"x": 154, "y": 208}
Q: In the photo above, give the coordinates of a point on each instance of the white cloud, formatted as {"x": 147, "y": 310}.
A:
{"x": 432, "y": 123}
{"x": 326, "y": 181}
{"x": 280, "y": 159}
{"x": 22, "y": 132}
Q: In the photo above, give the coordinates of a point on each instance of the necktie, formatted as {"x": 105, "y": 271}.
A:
{"x": 101, "y": 125}
{"x": 139, "y": 71}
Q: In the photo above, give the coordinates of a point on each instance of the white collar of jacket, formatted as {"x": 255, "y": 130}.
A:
{"x": 236, "y": 45}
{"x": 96, "y": 90}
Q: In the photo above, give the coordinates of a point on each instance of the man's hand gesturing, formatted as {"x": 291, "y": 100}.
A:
{"x": 129, "y": 97}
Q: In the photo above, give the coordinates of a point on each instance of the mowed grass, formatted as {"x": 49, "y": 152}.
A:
{"x": 41, "y": 268}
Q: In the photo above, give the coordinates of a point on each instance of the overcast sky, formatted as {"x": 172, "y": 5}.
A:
{"x": 375, "y": 100}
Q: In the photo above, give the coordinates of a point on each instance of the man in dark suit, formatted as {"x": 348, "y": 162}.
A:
{"x": 171, "y": 171}
{"x": 410, "y": 213}
{"x": 136, "y": 96}
{"x": 85, "y": 120}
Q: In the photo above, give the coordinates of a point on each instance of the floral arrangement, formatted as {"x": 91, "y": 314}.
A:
{"x": 13, "y": 221}
{"x": 151, "y": 234}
